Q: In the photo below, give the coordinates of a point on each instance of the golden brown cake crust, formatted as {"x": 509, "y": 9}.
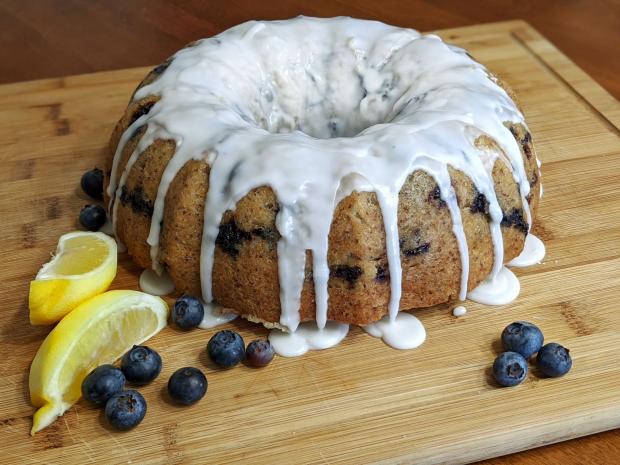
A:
{"x": 245, "y": 273}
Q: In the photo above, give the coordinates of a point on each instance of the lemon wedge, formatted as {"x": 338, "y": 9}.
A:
{"x": 83, "y": 266}
{"x": 98, "y": 331}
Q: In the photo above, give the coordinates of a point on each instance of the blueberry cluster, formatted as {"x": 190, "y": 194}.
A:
{"x": 105, "y": 386}
{"x": 521, "y": 340}
{"x": 126, "y": 408}
{"x": 226, "y": 348}
{"x": 93, "y": 217}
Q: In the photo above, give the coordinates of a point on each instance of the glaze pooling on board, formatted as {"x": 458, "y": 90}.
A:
{"x": 156, "y": 284}
{"x": 321, "y": 102}
{"x": 404, "y": 332}
{"x": 533, "y": 253}
{"x": 500, "y": 289}
{"x": 308, "y": 336}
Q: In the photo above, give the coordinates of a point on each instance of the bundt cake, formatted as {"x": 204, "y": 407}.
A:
{"x": 329, "y": 169}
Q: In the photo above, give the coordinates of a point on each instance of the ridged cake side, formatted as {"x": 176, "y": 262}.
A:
{"x": 245, "y": 275}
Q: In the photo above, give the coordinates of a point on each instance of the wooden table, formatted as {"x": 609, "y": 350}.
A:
{"x": 48, "y": 38}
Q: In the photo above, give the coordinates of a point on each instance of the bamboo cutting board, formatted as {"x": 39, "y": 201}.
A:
{"x": 361, "y": 401}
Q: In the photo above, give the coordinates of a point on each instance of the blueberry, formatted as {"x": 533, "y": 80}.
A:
{"x": 510, "y": 368}
{"x": 102, "y": 383}
{"x": 522, "y": 337}
{"x": 554, "y": 360}
{"x": 125, "y": 409}
{"x": 226, "y": 348}
{"x": 187, "y": 385}
{"x": 92, "y": 183}
{"x": 259, "y": 353}
{"x": 187, "y": 312}
{"x": 141, "y": 365}
{"x": 92, "y": 217}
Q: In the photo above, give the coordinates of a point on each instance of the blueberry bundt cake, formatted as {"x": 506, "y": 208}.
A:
{"x": 328, "y": 169}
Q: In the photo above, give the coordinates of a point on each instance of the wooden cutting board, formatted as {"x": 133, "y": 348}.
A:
{"x": 361, "y": 401}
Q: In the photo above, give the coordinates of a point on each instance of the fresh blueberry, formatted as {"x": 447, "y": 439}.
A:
{"x": 554, "y": 360}
{"x": 102, "y": 383}
{"x": 125, "y": 409}
{"x": 141, "y": 365}
{"x": 259, "y": 353}
{"x": 92, "y": 183}
{"x": 522, "y": 337}
{"x": 187, "y": 312}
{"x": 510, "y": 368}
{"x": 187, "y": 385}
{"x": 226, "y": 348}
{"x": 92, "y": 217}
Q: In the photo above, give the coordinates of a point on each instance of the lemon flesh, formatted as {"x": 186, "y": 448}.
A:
{"x": 83, "y": 266}
{"x": 98, "y": 331}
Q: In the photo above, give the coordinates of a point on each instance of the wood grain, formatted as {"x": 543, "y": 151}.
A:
{"x": 361, "y": 402}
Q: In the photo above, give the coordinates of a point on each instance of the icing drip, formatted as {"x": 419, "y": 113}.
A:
{"x": 497, "y": 290}
{"x": 307, "y": 337}
{"x": 533, "y": 252}
{"x": 152, "y": 283}
{"x": 324, "y": 107}
{"x": 404, "y": 332}
{"x": 214, "y": 316}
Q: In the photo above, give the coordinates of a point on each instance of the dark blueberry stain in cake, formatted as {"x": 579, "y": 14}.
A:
{"x": 515, "y": 219}
{"x": 230, "y": 238}
{"x": 362, "y": 86}
{"x": 138, "y": 132}
{"x": 138, "y": 200}
{"x": 159, "y": 69}
{"x": 268, "y": 96}
{"x": 383, "y": 274}
{"x": 534, "y": 179}
{"x": 434, "y": 197}
{"x": 143, "y": 110}
{"x": 311, "y": 76}
{"x": 480, "y": 204}
{"x": 333, "y": 128}
{"x": 231, "y": 176}
{"x": 525, "y": 143}
{"x": 424, "y": 248}
{"x": 413, "y": 244}
{"x": 268, "y": 234}
{"x": 349, "y": 273}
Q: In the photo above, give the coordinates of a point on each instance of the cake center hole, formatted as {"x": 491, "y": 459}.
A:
{"x": 323, "y": 109}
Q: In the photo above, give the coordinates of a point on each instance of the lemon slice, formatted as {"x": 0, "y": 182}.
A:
{"x": 83, "y": 266}
{"x": 98, "y": 331}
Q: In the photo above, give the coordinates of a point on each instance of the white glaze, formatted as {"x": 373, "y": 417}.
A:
{"x": 497, "y": 290}
{"x": 459, "y": 311}
{"x": 307, "y": 116}
{"x": 107, "y": 227}
{"x": 532, "y": 254}
{"x": 152, "y": 283}
{"x": 404, "y": 332}
{"x": 307, "y": 337}
{"x": 214, "y": 316}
